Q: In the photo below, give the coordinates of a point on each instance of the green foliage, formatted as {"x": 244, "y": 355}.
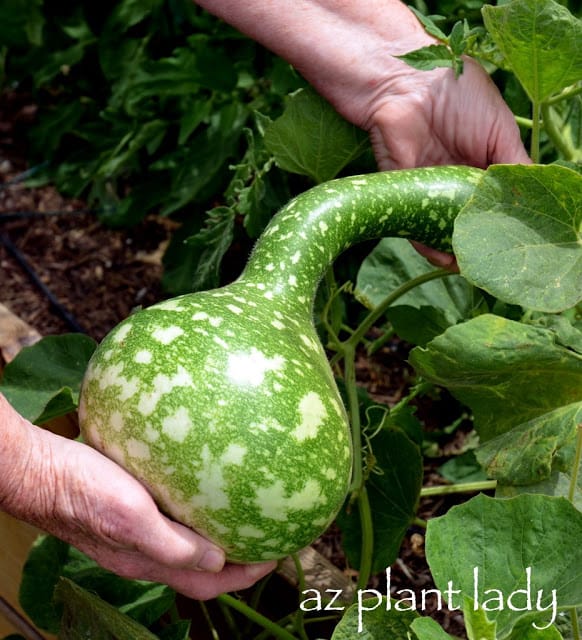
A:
{"x": 508, "y": 372}
{"x": 504, "y": 546}
{"x": 312, "y": 140}
{"x": 531, "y": 218}
{"x": 374, "y": 619}
{"x": 428, "y": 309}
{"x": 44, "y": 380}
{"x": 539, "y": 39}
{"x": 88, "y": 600}
{"x": 155, "y": 106}
{"x": 395, "y": 476}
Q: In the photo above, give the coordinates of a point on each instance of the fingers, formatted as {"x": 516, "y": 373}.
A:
{"x": 203, "y": 586}
{"x": 175, "y": 546}
{"x": 437, "y": 258}
{"x": 118, "y": 524}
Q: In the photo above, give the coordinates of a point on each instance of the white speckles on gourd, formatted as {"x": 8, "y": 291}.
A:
{"x": 177, "y": 425}
{"x": 116, "y": 421}
{"x": 138, "y": 449}
{"x": 249, "y": 368}
{"x": 234, "y": 309}
{"x": 248, "y": 531}
{"x": 312, "y": 414}
{"x": 122, "y": 332}
{"x": 222, "y": 403}
{"x": 162, "y": 385}
{"x": 143, "y": 356}
{"x": 166, "y": 335}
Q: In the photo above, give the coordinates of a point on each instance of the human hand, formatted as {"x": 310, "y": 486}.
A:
{"x": 73, "y": 492}
{"x": 432, "y": 118}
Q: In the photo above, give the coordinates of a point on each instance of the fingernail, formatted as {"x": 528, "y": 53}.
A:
{"x": 212, "y": 560}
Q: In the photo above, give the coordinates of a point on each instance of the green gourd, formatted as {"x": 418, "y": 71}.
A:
{"x": 222, "y": 403}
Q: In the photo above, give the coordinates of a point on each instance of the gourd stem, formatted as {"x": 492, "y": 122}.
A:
{"x": 255, "y": 616}
{"x": 313, "y": 229}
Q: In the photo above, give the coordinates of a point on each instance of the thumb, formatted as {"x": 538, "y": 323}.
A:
{"x": 179, "y": 547}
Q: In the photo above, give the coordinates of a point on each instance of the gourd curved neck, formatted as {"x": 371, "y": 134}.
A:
{"x": 312, "y": 230}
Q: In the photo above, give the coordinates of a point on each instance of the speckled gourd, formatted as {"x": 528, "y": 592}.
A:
{"x": 223, "y": 403}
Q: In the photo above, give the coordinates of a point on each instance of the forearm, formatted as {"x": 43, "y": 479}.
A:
{"x": 345, "y": 49}
{"x": 19, "y": 447}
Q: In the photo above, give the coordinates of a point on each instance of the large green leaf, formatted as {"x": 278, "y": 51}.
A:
{"x": 540, "y": 40}
{"x": 393, "y": 491}
{"x": 312, "y": 139}
{"x": 520, "y": 236}
{"x": 558, "y": 484}
{"x": 374, "y": 619}
{"x": 85, "y": 615}
{"x": 44, "y": 380}
{"x": 50, "y": 560}
{"x": 489, "y": 549}
{"x": 530, "y": 452}
{"x": 508, "y": 373}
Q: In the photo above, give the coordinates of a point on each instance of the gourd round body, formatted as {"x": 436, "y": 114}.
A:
{"x": 241, "y": 435}
{"x": 222, "y": 403}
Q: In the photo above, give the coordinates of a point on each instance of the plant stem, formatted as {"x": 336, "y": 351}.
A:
{"x": 255, "y": 616}
{"x": 461, "y": 487}
{"x": 535, "y": 133}
{"x": 358, "y": 488}
{"x": 524, "y": 122}
{"x": 208, "y": 619}
{"x": 568, "y": 93}
{"x": 369, "y": 321}
{"x": 575, "y": 624}
{"x": 367, "y": 546}
{"x": 299, "y": 618}
{"x": 576, "y": 466}
{"x": 349, "y": 354}
{"x": 554, "y": 134}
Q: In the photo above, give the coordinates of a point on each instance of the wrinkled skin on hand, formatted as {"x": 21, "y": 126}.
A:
{"x": 433, "y": 118}
{"x": 73, "y": 492}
